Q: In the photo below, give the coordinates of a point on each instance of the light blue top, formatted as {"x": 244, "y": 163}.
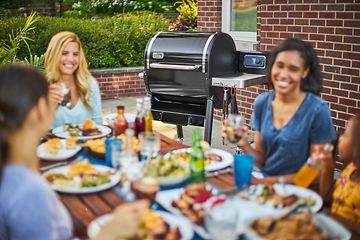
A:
{"x": 79, "y": 113}
{"x": 30, "y": 209}
{"x": 287, "y": 148}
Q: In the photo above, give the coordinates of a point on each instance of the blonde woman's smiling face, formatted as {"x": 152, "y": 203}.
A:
{"x": 288, "y": 71}
{"x": 70, "y": 58}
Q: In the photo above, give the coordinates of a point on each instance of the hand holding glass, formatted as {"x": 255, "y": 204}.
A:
{"x": 233, "y": 127}
{"x": 65, "y": 90}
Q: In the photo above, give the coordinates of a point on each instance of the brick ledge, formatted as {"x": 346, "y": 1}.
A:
{"x": 116, "y": 70}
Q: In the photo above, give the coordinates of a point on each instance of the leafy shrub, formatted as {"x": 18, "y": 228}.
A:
{"x": 11, "y": 4}
{"x": 110, "y": 42}
{"x": 187, "y": 19}
{"x": 89, "y": 8}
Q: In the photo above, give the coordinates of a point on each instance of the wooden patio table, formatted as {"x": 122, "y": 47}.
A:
{"x": 86, "y": 207}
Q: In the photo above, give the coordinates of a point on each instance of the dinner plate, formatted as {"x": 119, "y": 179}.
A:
{"x": 61, "y": 155}
{"x": 59, "y": 132}
{"x": 328, "y": 226}
{"x": 114, "y": 179}
{"x": 174, "y": 221}
{"x": 282, "y": 189}
{"x": 227, "y": 158}
{"x": 130, "y": 117}
{"x": 165, "y": 198}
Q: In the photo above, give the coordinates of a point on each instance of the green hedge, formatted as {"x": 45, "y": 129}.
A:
{"x": 109, "y": 42}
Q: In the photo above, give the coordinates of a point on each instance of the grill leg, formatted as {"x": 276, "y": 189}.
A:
{"x": 208, "y": 120}
{"x": 180, "y": 133}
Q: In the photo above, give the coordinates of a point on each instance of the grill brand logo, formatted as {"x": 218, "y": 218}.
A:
{"x": 158, "y": 55}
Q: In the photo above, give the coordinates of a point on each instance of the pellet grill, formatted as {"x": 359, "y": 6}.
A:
{"x": 179, "y": 69}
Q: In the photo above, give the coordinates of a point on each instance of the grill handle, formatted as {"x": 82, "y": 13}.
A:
{"x": 175, "y": 66}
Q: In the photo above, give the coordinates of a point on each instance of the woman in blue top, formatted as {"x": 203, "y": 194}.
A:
{"x": 29, "y": 209}
{"x": 291, "y": 120}
{"x": 65, "y": 63}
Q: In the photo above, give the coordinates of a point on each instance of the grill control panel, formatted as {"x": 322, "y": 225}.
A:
{"x": 253, "y": 62}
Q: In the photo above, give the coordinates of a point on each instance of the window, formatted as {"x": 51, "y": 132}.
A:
{"x": 239, "y": 19}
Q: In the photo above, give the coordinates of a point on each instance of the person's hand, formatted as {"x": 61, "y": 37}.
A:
{"x": 244, "y": 137}
{"x": 55, "y": 93}
{"x": 125, "y": 222}
{"x": 322, "y": 155}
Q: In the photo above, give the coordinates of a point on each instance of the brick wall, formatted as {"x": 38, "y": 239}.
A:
{"x": 209, "y": 15}
{"x": 333, "y": 27}
{"x": 119, "y": 82}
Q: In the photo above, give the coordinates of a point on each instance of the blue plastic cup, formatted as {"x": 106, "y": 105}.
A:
{"x": 243, "y": 166}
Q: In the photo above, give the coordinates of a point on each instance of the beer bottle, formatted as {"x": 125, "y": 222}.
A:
{"x": 197, "y": 163}
{"x": 148, "y": 117}
{"x": 139, "y": 120}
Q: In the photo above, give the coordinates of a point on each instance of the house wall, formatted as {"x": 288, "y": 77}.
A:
{"x": 332, "y": 27}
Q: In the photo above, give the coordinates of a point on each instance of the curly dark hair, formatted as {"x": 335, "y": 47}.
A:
{"x": 313, "y": 81}
{"x": 356, "y": 138}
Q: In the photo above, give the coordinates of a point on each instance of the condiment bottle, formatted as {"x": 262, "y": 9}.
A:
{"x": 120, "y": 123}
{"x": 148, "y": 117}
{"x": 197, "y": 163}
{"x": 139, "y": 120}
{"x": 308, "y": 173}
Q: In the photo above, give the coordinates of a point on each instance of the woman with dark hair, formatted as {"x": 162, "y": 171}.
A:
{"x": 291, "y": 119}
{"x": 29, "y": 209}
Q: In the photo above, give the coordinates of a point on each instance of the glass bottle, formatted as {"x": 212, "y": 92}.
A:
{"x": 148, "y": 117}
{"x": 307, "y": 174}
{"x": 197, "y": 163}
{"x": 139, "y": 120}
{"x": 120, "y": 122}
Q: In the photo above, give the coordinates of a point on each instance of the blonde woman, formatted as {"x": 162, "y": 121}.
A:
{"x": 65, "y": 64}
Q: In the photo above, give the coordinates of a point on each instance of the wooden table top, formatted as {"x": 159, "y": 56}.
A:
{"x": 86, "y": 207}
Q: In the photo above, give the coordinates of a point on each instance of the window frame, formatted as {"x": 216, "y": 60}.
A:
{"x": 238, "y": 36}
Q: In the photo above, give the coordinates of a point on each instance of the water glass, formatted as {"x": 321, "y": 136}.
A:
{"x": 221, "y": 221}
{"x": 233, "y": 127}
{"x": 65, "y": 90}
{"x": 149, "y": 145}
{"x": 243, "y": 166}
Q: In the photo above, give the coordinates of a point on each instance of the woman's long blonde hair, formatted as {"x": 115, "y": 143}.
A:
{"x": 52, "y": 64}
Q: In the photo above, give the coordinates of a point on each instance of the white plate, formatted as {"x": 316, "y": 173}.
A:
{"x": 174, "y": 221}
{"x": 109, "y": 118}
{"x": 114, "y": 179}
{"x": 164, "y": 198}
{"x": 227, "y": 158}
{"x": 59, "y": 132}
{"x": 172, "y": 180}
{"x": 281, "y": 189}
{"x": 329, "y": 226}
{"x": 61, "y": 155}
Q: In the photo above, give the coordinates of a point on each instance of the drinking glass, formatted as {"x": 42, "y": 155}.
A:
{"x": 233, "y": 127}
{"x": 65, "y": 90}
{"x": 149, "y": 145}
{"x": 243, "y": 166}
{"x": 221, "y": 221}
